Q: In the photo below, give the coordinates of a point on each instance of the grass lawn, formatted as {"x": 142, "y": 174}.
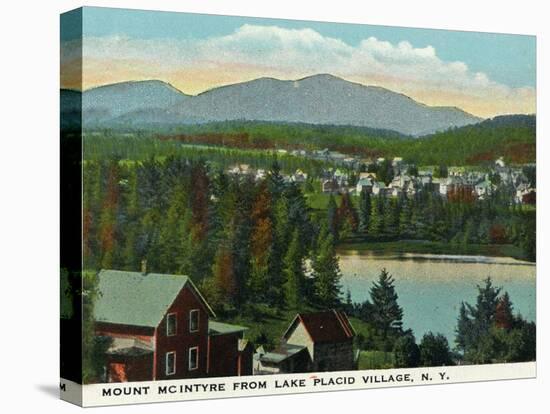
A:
{"x": 375, "y": 360}
{"x": 421, "y": 246}
{"x": 273, "y": 324}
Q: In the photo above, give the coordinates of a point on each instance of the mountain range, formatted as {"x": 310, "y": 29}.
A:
{"x": 317, "y": 99}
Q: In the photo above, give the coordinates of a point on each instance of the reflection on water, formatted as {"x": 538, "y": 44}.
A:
{"x": 431, "y": 287}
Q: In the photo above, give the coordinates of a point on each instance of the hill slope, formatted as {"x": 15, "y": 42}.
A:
{"x": 322, "y": 99}
{"x": 319, "y": 99}
{"x": 106, "y": 103}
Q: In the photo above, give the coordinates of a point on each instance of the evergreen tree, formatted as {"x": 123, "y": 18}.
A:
{"x": 293, "y": 270}
{"x": 275, "y": 180}
{"x": 391, "y": 218}
{"x": 332, "y": 217}
{"x": 326, "y": 271}
{"x": 376, "y": 220}
{"x": 406, "y": 352}
{"x": 172, "y": 233}
{"x": 441, "y": 171}
{"x": 387, "y": 315}
{"x": 404, "y": 227}
{"x": 364, "y": 210}
{"x": 434, "y": 351}
{"x": 385, "y": 172}
{"x": 347, "y": 216}
{"x": 464, "y": 329}
{"x": 484, "y": 311}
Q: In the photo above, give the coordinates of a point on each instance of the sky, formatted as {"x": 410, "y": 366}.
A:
{"x": 485, "y": 74}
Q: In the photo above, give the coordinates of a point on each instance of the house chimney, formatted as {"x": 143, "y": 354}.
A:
{"x": 144, "y": 266}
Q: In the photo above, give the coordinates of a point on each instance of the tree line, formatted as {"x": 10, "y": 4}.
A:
{"x": 460, "y": 219}
{"x": 243, "y": 241}
{"x": 487, "y": 331}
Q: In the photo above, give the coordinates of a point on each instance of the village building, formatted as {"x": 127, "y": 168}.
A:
{"x": 330, "y": 186}
{"x": 159, "y": 326}
{"x": 363, "y": 184}
{"x": 299, "y": 176}
{"x": 378, "y": 188}
{"x": 483, "y": 189}
{"x": 370, "y": 175}
{"x": 314, "y": 342}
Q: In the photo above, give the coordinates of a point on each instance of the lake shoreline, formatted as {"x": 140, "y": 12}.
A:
{"x": 402, "y": 247}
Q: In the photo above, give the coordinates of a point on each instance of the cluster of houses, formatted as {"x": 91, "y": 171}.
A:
{"x": 259, "y": 174}
{"x": 344, "y": 177}
{"x": 159, "y": 326}
{"x": 478, "y": 183}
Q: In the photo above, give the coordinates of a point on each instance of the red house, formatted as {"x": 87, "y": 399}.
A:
{"x": 159, "y": 327}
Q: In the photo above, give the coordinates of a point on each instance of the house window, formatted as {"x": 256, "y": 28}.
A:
{"x": 171, "y": 324}
{"x": 193, "y": 358}
{"x": 170, "y": 363}
{"x": 194, "y": 320}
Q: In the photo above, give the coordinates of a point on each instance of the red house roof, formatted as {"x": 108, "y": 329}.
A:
{"x": 325, "y": 326}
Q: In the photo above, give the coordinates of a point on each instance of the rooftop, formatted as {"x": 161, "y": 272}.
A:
{"x": 138, "y": 299}
{"x": 324, "y": 326}
{"x": 284, "y": 351}
{"x": 220, "y": 328}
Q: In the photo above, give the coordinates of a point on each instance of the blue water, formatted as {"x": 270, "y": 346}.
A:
{"x": 431, "y": 287}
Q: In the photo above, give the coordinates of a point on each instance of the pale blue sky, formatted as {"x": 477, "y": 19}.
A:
{"x": 508, "y": 59}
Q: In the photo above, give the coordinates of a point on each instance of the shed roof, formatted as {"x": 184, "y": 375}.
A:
{"x": 283, "y": 352}
{"x": 220, "y": 328}
{"x": 134, "y": 298}
{"x": 325, "y": 326}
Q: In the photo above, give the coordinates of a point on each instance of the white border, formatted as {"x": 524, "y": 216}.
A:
{"x": 258, "y": 385}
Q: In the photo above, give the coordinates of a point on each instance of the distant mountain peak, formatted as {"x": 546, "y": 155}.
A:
{"x": 137, "y": 84}
{"x": 316, "y": 99}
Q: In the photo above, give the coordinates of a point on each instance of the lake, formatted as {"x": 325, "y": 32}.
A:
{"x": 431, "y": 287}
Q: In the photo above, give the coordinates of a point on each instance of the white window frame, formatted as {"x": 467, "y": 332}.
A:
{"x": 175, "y": 315}
{"x": 166, "y": 363}
{"x": 189, "y": 358}
{"x": 191, "y": 318}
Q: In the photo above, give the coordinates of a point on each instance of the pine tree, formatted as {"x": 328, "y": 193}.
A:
{"x": 483, "y": 312}
{"x": 332, "y": 217}
{"x": 326, "y": 272}
{"x": 347, "y": 216}
{"x": 376, "y": 222}
{"x": 293, "y": 270}
{"x": 404, "y": 227}
{"x": 275, "y": 180}
{"x": 364, "y": 210}
{"x": 464, "y": 329}
{"x": 172, "y": 233}
{"x": 387, "y": 315}
{"x": 406, "y": 352}
{"x": 391, "y": 217}
{"x": 434, "y": 351}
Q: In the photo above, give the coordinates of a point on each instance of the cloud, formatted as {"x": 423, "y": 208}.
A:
{"x": 253, "y": 51}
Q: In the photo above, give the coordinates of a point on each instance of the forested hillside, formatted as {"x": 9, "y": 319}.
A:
{"x": 512, "y": 137}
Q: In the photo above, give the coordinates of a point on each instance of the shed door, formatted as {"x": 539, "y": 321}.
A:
{"x": 117, "y": 372}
